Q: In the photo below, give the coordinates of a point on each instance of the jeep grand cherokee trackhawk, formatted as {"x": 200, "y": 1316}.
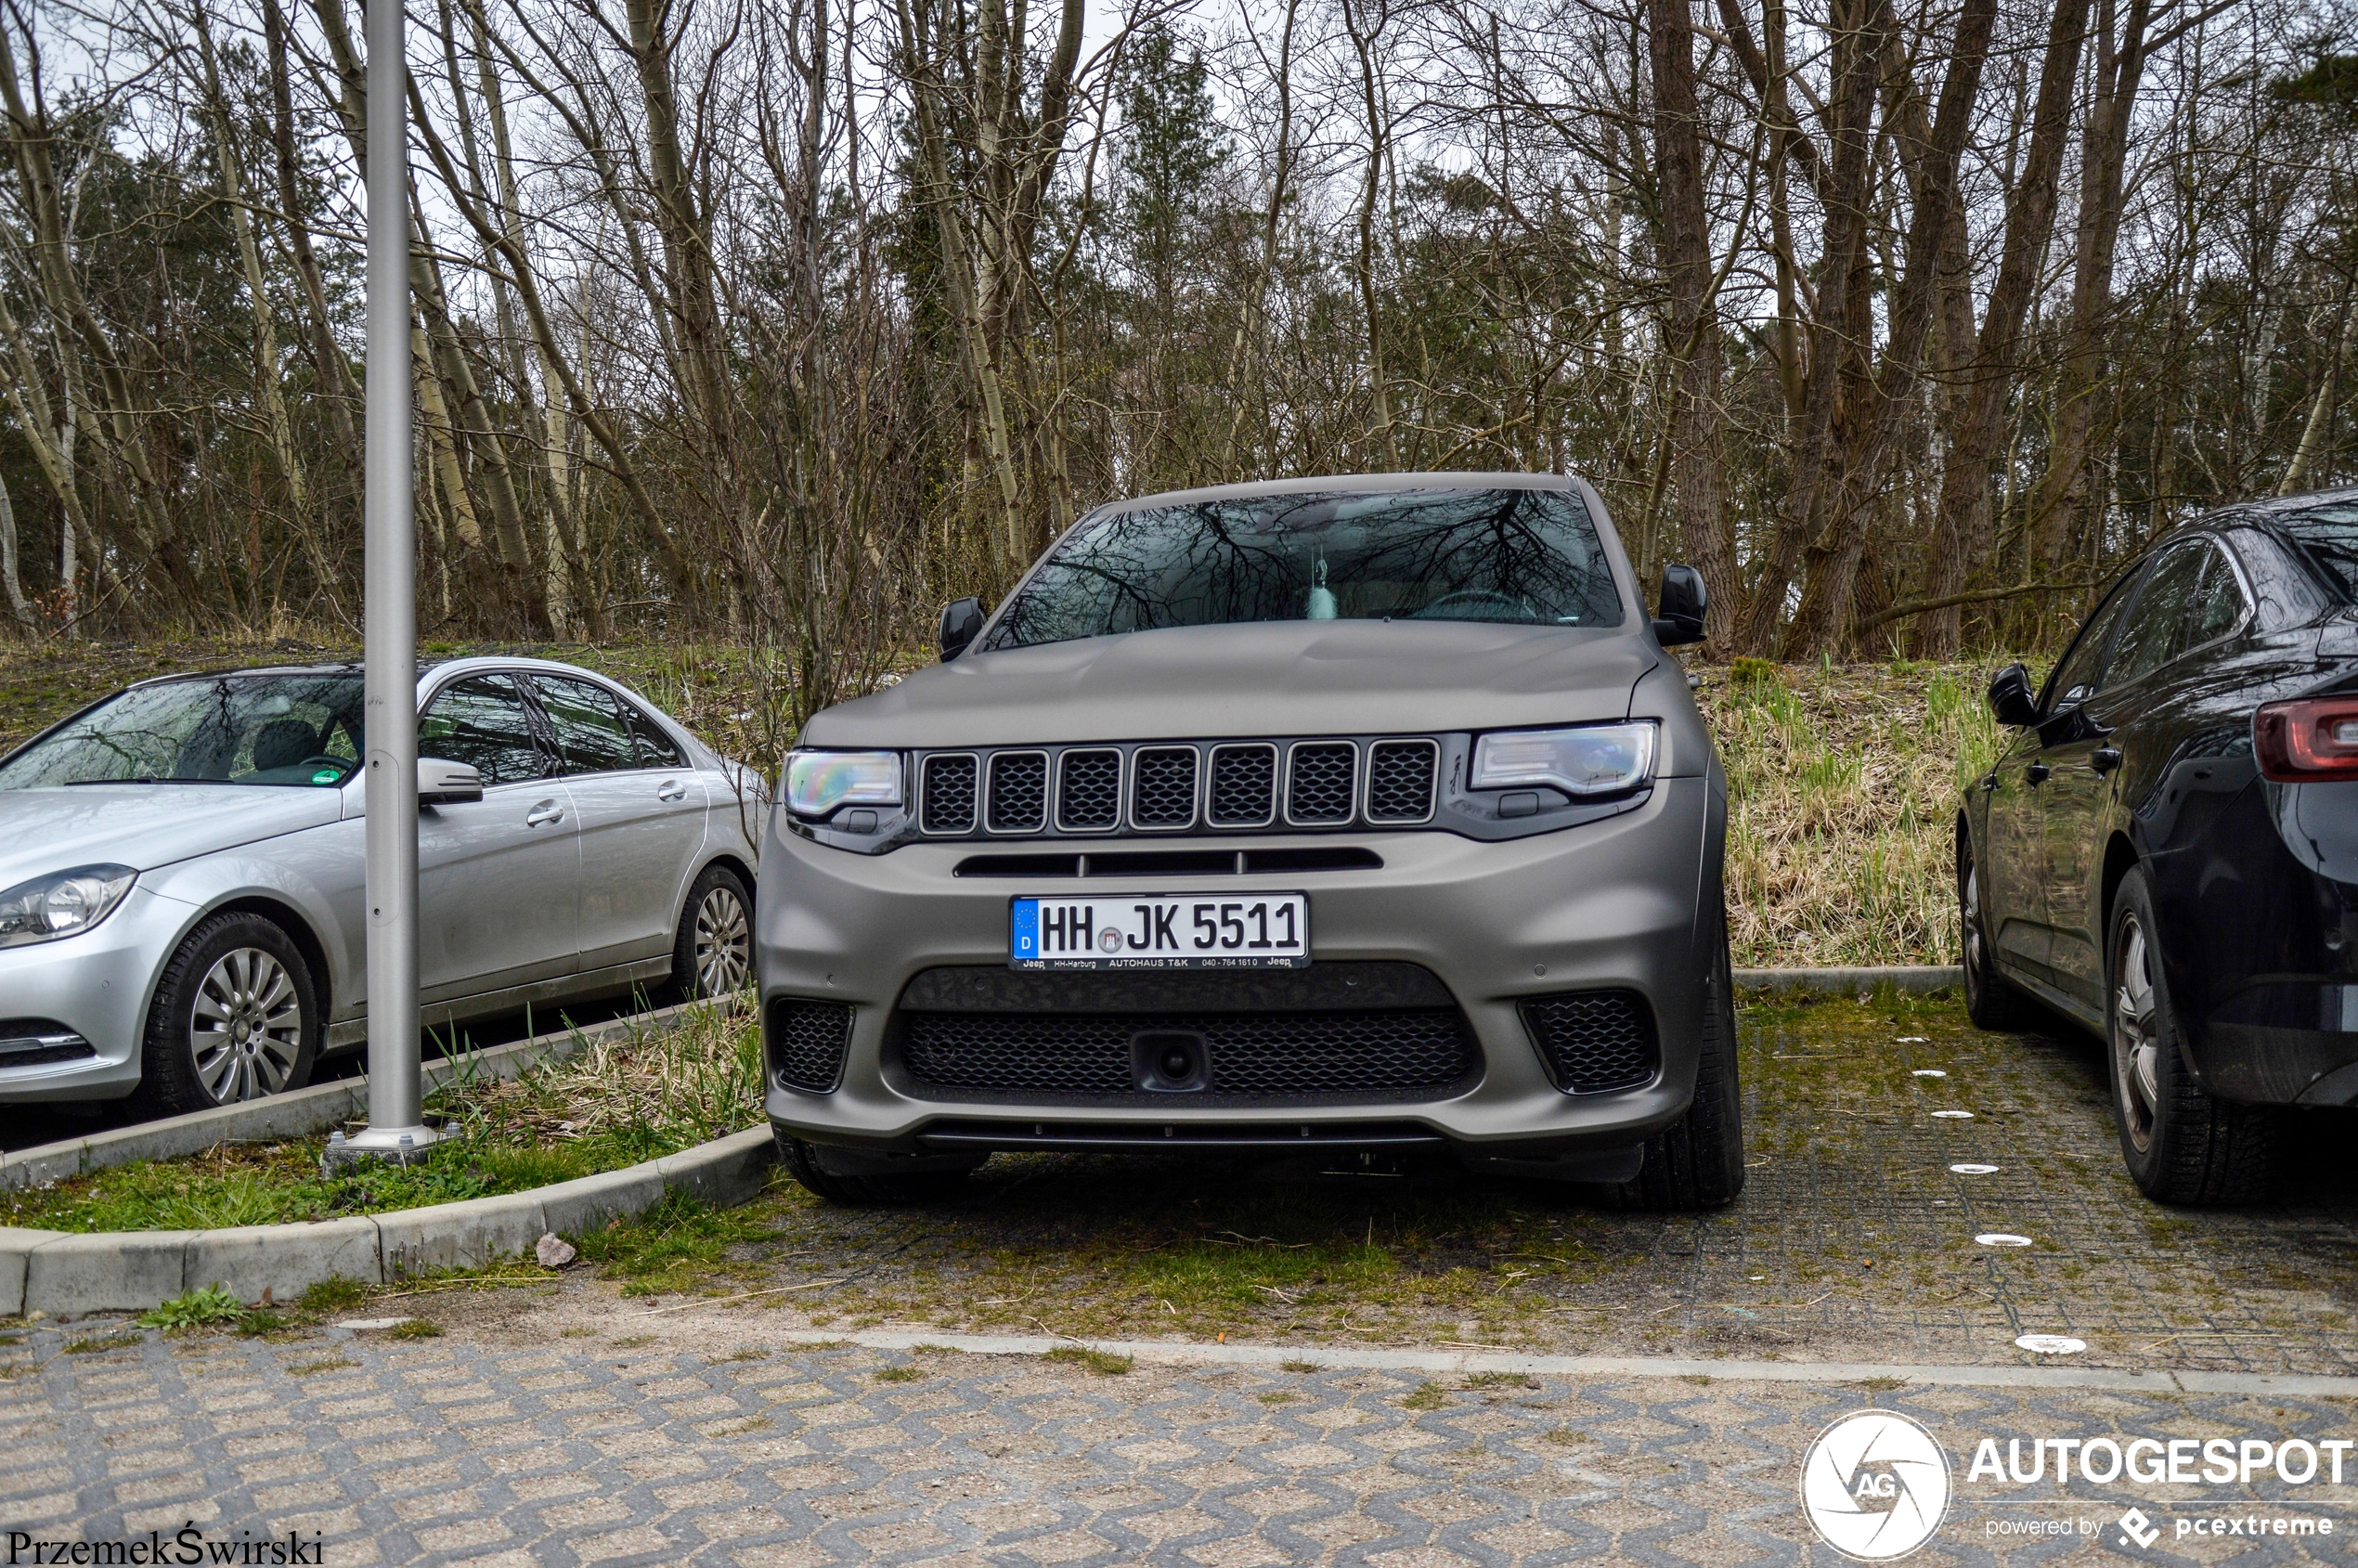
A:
{"x": 1336, "y": 814}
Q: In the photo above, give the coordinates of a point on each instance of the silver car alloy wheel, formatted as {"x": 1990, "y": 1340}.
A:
{"x": 2136, "y": 1042}
{"x": 724, "y": 942}
{"x": 1972, "y": 922}
{"x": 246, "y": 1029}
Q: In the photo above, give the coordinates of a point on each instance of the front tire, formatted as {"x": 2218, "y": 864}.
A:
{"x": 236, "y": 1018}
{"x": 2181, "y": 1144}
{"x": 891, "y": 1189}
{"x": 1698, "y": 1161}
{"x": 712, "y": 952}
{"x": 1989, "y": 1001}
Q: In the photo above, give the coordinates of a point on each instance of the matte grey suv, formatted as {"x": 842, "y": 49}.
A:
{"x": 1327, "y": 815}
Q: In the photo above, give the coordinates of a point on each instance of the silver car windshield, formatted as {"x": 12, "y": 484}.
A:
{"x": 293, "y": 730}
{"x": 1522, "y": 557}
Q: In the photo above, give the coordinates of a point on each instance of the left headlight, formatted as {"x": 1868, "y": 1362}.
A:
{"x": 818, "y": 781}
{"x": 1592, "y": 759}
{"x": 64, "y": 903}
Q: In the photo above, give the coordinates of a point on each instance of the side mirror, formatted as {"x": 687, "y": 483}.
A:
{"x": 1683, "y": 601}
{"x": 442, "y": 782}
{"x": 2010, "y": 698}
{"x": 961, "y": 620}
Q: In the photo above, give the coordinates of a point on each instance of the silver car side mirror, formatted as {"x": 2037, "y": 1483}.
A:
{"x": 442, "y": 782}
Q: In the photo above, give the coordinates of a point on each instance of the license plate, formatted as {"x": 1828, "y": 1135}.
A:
{"x": 1161, "y": 931}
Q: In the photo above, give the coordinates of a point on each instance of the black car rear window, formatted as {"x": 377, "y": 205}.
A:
{"x": 1522, "y": 557}
{"x": 2330, "y": 536}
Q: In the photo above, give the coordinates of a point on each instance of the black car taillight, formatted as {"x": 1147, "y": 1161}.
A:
{"x": 2308, "y": 740}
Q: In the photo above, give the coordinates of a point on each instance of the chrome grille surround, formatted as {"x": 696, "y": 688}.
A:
{"x": 1402, "y": 782}
{"x": 1016, "y": 792}
{"x": 1243, "y": 791}
{"x": 1163, "y": 785}
{"x": 1322, "y": 783}
{"x": 946, "y": 783}
{"x": 1089, "y": 789}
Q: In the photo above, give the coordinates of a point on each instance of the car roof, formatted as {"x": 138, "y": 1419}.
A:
{"x": 355, "y": 666}
{"x": 1355, "y": 483}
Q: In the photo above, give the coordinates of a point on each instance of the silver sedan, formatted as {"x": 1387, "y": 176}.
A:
{"x": 181, "y": 913}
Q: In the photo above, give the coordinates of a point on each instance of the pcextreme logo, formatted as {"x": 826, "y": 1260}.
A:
{"x": 1874, "y": 1485}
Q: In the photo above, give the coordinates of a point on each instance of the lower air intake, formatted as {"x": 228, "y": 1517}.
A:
{"x": 1594, "y": 1041}
{"x": 807, "y": 1042}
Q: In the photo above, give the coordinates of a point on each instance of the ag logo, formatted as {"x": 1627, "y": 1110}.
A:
{"x": 1874, "y": 1485}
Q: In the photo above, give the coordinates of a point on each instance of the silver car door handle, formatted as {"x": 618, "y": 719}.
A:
{"x": 670, "y": 789}
{"x": 544, "y": 812}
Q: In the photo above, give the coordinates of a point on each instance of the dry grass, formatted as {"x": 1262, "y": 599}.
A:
{"x": 1844, "y": 782}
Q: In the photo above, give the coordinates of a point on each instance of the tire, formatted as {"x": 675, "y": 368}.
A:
{"x": 1990, "y": 1001}
{"x": 236, "y": 1017}
{"x": 1698, "y": 1161}
{"x": 2181, "y": 1144}
{"x": 898, "y": 1189}
{"x": 712, "y": 951}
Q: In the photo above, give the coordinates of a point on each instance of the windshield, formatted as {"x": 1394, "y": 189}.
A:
{"x": 293, "y": 730}
{"x": 1523, "y": 557}
{"x": 2331, "y": 534}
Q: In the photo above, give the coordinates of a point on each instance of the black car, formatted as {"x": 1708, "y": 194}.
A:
{"x": 2168, "y": 849}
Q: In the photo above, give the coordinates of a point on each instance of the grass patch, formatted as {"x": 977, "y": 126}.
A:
{"x": 676, "y": 1245}
{"x": 98, "y": 1344}
{"x": 416, "y": 1328}
{"x": 1105, "y": 1364}
{"x": 1499, "y": 1379}
{"x": 1424, "y": 1397}
{"x": 334, "y": 1294}
{"x": 579, "y": 1334}
{"x": 1297, "y": 1365}
{"x": 1278, "y": 1399}
{"x": 900, "y": 1374}
{"x": 196, "y": 1309}
{"x": 635, "y": 1097}
{"x": 313, "y": 1368}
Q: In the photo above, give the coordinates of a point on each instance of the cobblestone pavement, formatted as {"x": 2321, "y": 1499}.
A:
{"x": 474, "y": 1449}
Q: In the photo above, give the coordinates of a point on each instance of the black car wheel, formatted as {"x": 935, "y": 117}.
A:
{"x": 1698, "y": 1161}
{"x": 236, "y": 1017}
{"x": 2182, "y": 1144}
{"x": 712, "y": 954}
{"x": 934, "y": 1183}
{"x": 1989, "y": 1001}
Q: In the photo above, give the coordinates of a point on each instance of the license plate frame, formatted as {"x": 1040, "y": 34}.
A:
{"x": 1038, "y": 939}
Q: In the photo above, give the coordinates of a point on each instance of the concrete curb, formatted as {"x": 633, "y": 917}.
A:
{"x": 1916, "y": 977}
{"x": 297, "y": 1115}
{"x": 60, "y": 1272}
{"x": 2026, "y": 1375}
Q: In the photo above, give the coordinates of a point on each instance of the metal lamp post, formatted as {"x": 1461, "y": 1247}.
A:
{"x": 390, "y": 626}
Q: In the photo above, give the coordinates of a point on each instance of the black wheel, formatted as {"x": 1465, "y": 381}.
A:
{"x": 712, "y": 954}
{"x": 237, "y": 1017}
{"x": 1989, "y": 1001}
{"x": 933, "y": 1184}
{"x": 2182, "y": 1144}
{"x": 1698, "y": 1161}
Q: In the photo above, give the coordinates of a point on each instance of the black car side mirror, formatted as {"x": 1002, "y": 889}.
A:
{"x": 1683, "y": 603}
{"x": 961, "y": 620}
{"x": 2010, "y": 698}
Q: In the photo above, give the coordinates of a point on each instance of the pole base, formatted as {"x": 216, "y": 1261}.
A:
{"x": 398, "y": 1145}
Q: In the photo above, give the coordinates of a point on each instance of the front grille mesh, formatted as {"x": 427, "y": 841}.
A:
{"x": 1089, "y": 791}
{"x": 1323, "y": 777}
{"x": 1019, "y": 792}
{"x": 1244, "y": 785}
{"x": 1594, "y": 1041}
{"x": 1264, "y": 1055}
{"x": 1400, "y": 778}
{"x": 1163, "y": 786}
{"x": 949, "y": 794}
{"x": 807, "y": 1042}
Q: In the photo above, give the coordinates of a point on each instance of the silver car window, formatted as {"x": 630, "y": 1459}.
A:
{"x": 480, "y": 721}
{"x": 1523, "y": 557}
{"x": 592, "y": 735}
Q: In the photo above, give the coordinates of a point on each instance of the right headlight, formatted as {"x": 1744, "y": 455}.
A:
{"x": 818, "y": 781}
{"x": 64, "y": 903}
{"x": 1586, "y": 760}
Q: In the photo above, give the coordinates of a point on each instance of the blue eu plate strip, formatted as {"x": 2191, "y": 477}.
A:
{"x": 1023, "y": 941}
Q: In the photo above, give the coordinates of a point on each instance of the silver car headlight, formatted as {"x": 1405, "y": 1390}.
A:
{"x": 64, "y": 903}
{"x": 1590, "y": 759}
{"x": 818, "y": 781}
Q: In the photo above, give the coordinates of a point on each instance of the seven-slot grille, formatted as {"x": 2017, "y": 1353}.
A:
{"x": 1180, "y": 788}
{"x": 947, "y": 782}
{"x": 1322, "y": 782}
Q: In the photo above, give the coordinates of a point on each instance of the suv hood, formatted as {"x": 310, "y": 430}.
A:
{"x": 146, "y": 825}
{"x": 1266, "y": 678}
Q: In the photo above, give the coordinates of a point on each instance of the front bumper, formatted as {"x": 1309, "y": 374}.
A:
{"x": 1610, "y": 904}
{"x": 94, "y": 985}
